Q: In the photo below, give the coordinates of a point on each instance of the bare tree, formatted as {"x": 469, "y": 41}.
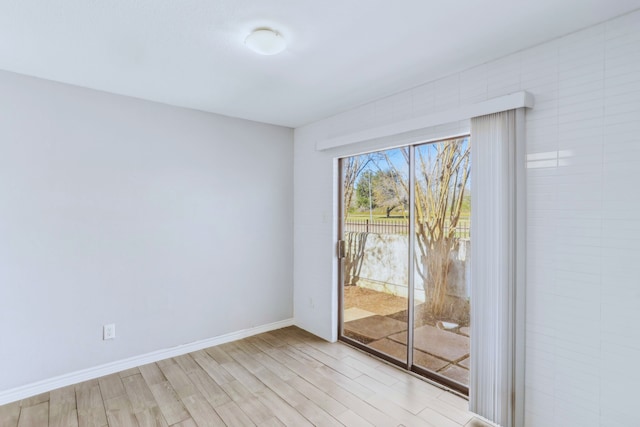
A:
{"x": 380, "y": 190}
{"x": 352, "y": 168}
{"x": 387, "y": 192}
{"x": 442, "y": 174}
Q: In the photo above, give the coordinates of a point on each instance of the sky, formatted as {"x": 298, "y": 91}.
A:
{"x": 397, "y": 158}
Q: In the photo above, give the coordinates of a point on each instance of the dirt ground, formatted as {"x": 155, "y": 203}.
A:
{"x": 376, "y": 302}
{"x": 389, "y": 305}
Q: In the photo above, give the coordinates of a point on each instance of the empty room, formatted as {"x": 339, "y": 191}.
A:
{"x": 295, "y": 213}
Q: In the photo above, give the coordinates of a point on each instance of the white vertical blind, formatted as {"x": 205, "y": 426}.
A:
{"x": 497, "y": 188}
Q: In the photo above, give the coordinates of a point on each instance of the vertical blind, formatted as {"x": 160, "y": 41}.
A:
{"x": 497, "y": 271}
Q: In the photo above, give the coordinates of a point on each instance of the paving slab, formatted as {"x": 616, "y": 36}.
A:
{"x": 375, "y": 327}
{"x": 399, "y": 351}
{"x": 443, "y": 344}
{"x": 355, "y": 313}
{"x": 392, "y": 348}
{"x": 456, "y": 373}
{"x": 465, "y": 330}
{"x": 465, "y": 363}
{"x": 427, "y": 361}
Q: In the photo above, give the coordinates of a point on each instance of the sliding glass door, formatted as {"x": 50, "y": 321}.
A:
{"x": 405, "y": 244}
{"x": 375, "y": 230}
{"x": 442, "y": 212}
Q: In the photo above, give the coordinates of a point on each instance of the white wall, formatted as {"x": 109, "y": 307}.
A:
{"x": 583, "y": 295}
{"x": 173, "y": 224}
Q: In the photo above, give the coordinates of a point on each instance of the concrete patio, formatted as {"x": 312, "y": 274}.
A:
{"x": 378, "y": 320}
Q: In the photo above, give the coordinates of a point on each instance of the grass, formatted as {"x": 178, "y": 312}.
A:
{"x": 377, "y": 216}
{"x": 382, "y": 217}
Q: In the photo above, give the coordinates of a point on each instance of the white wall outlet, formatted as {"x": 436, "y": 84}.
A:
{"x": 109, "y": 331}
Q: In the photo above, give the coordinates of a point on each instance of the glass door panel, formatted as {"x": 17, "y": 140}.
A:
{"x": 442, "y": 245}
{"x": 410, "y": 307}
{"x": 375, "y": 255}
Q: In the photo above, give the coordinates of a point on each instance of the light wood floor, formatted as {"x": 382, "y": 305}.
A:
{"x": 286, "y": 377}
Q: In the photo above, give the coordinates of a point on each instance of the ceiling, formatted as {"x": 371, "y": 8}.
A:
{"x": 341, "y": 53}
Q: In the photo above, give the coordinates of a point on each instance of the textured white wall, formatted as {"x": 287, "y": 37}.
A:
{"x": 583, "y": 143}
{"x": 173, "y": 224}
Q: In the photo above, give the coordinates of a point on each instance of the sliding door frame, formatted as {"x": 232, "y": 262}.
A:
{"x": 341, "y": 276}
{"x": 412, "y": 253}
{"x": 408, "y": 364}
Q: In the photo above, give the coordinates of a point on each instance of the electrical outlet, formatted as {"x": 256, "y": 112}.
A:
{"x": 109, "y": 331}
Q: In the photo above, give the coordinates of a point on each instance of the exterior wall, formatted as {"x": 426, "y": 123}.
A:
{"x": 583, "y": 145}
{"x": 384, "y": 267}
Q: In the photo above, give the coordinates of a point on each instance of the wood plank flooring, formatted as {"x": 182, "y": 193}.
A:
{"x": 286, "y": 377}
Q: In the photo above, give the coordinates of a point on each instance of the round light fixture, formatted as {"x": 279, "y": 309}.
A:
{"x": 265, "y": 42}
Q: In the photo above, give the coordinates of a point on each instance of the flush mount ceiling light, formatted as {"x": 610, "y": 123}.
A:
{"x": 265, "y": 41}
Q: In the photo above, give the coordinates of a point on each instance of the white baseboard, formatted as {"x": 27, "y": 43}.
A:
{"x": 22, "y": 392}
